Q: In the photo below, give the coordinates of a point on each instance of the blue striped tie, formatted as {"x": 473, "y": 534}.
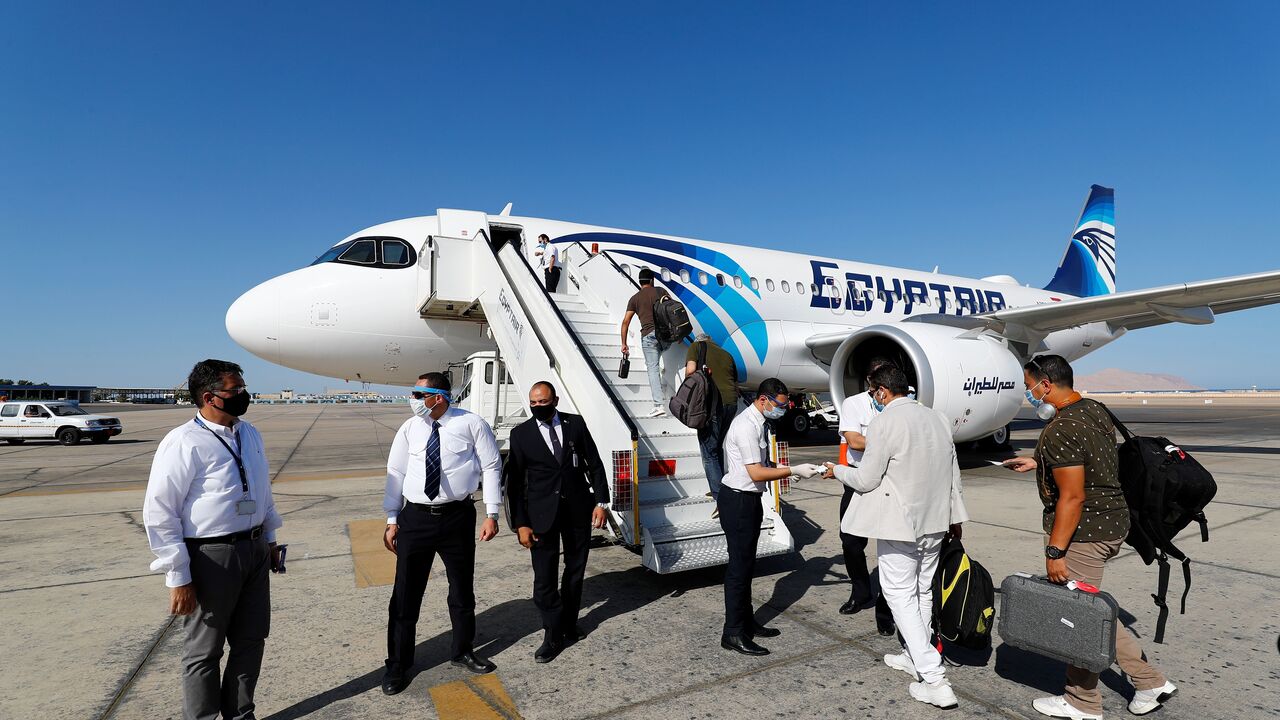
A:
{"x": 433, "y": 462}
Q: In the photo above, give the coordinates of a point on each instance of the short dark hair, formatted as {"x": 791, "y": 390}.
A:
{"x": 545, "y": 384}
{"x": 890, "y": 378}
{"x": 877, "y": 363}
{"x": 437, "y": 380}
{"x": 646, "y": 276}
{"x": 207, "y": 376}
{"x": 1053, "y": 368}
{"x": 544, "y": 235}
{"x": 772, "y": 388}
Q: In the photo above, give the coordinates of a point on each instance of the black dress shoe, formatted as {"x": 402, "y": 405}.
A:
{"x": 573, "y": 635}
{"x": 762, "y": 631}
{"x": 885, "y": 626}
{"x": 476, "y": 664}
{"x": 547, "y": 651}
{"x": 394, "y": 685}
{"x": 853, "y": 607}
{"x": 742, "y": 644}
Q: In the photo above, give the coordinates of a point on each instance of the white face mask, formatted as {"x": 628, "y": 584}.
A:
{"x": 419, "y": 407}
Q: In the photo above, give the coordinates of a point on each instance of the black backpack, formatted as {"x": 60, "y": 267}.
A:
{"x": 964, "y": 600}
{"x": 670, "y": 320}
{"x": 1166, "y": 489}
{"x": 697, "y": 396}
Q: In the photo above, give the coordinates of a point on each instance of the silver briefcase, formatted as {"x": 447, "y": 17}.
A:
{"x": 1053, "y": 620}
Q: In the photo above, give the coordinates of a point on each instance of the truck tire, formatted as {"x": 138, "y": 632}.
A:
{"x": 69, "y": 436}
{"x": 798, "y": 424}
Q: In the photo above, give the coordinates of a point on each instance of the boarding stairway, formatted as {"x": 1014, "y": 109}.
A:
{"x": 659, "y": 502}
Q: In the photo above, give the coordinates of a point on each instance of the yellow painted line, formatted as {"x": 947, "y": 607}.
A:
{"x": 45, "y": 490}
{"x": 373, "y": 564}
{"x": 477, "y": 698}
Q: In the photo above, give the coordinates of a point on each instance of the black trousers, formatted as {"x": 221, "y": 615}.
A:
{"x": 422, "y": 536}
{"x": 855, "y": 563}
{"x": 740, "y": 516}
{"x": 552, "y": 277}
{"x": 559, "y": 607}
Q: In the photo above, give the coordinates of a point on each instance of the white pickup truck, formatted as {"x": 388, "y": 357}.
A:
{"x": 24, "y": 420}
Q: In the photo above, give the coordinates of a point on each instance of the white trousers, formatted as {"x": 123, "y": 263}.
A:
{"x": 906, "y": 581}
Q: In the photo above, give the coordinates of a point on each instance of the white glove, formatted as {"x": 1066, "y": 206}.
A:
{"x": 807, "y": 470}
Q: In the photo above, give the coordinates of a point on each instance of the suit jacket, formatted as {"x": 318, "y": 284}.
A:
{"x": 908, "y": 483}
{"x": 535, "y": 481}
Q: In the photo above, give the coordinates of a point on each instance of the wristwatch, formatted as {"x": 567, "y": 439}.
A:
{"x": 491, "y": 516}
{"x": 1054, "y": 553}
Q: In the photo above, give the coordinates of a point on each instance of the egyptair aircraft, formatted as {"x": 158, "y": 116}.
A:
{"x": 355, "y": 313}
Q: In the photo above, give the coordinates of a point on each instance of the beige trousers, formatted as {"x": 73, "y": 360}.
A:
{"x": 1085, "y": 562}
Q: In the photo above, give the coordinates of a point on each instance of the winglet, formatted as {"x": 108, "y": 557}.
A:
{"x": 505, "y": 211}
{"x": 1088, "y": 267}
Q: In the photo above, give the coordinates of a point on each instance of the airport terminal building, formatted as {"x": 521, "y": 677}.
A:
{"x": 78, "y": 393}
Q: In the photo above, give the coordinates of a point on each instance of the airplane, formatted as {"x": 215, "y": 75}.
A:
{"x": 814, "y": 322}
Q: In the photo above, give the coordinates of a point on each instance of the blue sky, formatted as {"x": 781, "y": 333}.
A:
{"x": 158, "y": 159}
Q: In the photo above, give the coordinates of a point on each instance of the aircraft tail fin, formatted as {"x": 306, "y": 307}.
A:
{"x": 1088, "y": 267}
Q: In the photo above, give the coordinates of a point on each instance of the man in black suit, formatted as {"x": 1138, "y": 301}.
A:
{"x": 557, "y": 493}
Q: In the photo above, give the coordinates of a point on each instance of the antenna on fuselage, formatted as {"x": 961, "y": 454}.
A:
{"x": 505, "y": 211}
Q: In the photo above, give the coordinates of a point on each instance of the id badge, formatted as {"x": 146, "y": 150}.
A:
{"x": 575, "y": 459}
{"x": 246, "y": 507}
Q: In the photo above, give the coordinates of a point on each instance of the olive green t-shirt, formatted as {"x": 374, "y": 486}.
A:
{"x": 724, "y": 371}
{"x": 1082, "y": 434}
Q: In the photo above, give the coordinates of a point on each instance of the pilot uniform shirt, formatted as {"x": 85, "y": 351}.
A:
{"x": 856, "y": 414}
{"x": 194, "y": 489}
{"x": 468, "y": 457}
{"x": 744, "y": 444}
{"x": 549, "y": 253}
{"x": 1082, "y": 434}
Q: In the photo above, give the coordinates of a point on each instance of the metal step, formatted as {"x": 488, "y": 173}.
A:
{"x": 582, "y": 315}
{"x": 706, "y": 551}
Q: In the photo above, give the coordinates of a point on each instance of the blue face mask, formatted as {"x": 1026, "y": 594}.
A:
{"x": 1045, "y": 411}
{"x": 876, "y": 403}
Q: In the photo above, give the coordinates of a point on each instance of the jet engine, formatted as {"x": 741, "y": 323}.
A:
{"x": 973, "y": 379}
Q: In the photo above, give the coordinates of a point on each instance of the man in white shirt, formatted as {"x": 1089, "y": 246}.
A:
{"x": 549, "y": 261}
{"x": 748, "y": 471}
{"x": 438, "y": 459}
{"x": 856, "y": 413}
{"x": 908, "y": 498}
{"x": 211, "y": 523}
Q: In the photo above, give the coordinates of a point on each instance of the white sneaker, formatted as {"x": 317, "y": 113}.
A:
{"x": 1057, "y": 706}
{"x": 903, "y": 663}
{"x": 1144, "y": 701}
{"x": 657, "y": 411}
{"x": 938, "y": 694}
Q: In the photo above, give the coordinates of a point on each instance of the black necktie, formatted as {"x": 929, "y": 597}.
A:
{"x": 433, "y": 462}
{"x": 555, "y": 443}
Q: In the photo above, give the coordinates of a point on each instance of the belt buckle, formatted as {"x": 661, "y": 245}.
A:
{"x": 435, "y": 509}
{"x": 255, "y": 533}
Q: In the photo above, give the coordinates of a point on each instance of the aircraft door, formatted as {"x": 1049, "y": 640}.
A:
{"x": 831, "y": 292}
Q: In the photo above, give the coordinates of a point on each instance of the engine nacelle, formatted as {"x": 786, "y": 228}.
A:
{"x": 975, "y": 381}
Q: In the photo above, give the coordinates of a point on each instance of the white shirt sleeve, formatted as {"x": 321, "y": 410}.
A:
{"x": 490, "y": 464}
{"x": 856, "y": 414}
{"x": 172, "y": 472}
{"x": 397, "y": 466}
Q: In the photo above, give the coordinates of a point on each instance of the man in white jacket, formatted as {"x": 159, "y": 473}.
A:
{"x": 908, "y": 498}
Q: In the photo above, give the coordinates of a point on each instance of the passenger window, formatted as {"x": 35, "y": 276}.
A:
{"x": 737, "y": 281}
{"x": 719, "y": 279}
{"x": 9, "y": 411}
{"x": 362, "y": 252}
{"x": 800, "y": 288}
{"x": 702, "y": 278}
{"x": 786, "y": 286}
{"x": 396, "y": 253}
{"x": 684, "y": 276}
{"x": 768, "y": 283}
{"x": 666, "y": 275}
{"x": 755, "y": 284}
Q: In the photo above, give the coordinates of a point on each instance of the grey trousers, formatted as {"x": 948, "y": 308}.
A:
{"x": 233, "y": 595}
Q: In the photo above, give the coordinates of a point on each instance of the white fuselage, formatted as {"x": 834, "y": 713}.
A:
{"x": 362, "y": 323}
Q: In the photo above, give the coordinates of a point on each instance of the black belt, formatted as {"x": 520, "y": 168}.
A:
{"x": 441, "y": 508}
{"x": 250, "y": 534}
{"x": 740, "y": 492}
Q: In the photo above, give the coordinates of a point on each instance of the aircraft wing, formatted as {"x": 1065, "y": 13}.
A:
{"x": 1195, "y": 303}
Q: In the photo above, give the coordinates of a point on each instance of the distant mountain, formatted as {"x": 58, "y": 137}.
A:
{"x": 1116, "y": 380}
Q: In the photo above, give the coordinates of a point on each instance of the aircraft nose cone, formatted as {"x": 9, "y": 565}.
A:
{"x": 253, "y": 321}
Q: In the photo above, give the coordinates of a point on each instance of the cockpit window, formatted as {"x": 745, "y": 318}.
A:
{"x": 363, "y": 252}
{"x": 380, "y": 252}
{"x": 395, "y": 253}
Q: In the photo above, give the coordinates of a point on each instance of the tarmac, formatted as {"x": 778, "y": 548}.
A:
{"x": 87, "y": 632}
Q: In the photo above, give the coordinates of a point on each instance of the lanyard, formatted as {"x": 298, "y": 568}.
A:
{"x": 244, "y": 479}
